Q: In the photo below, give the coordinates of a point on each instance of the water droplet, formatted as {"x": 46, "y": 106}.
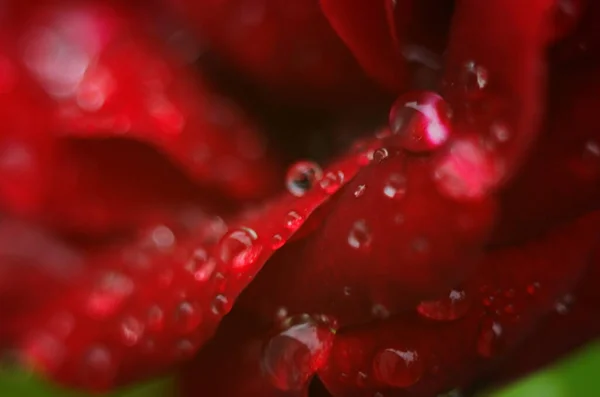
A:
{"x": 201, "y": 265}
{"x": 277, "y": 241}
{"x": 220, "y": 305}
{"x": 360, "y": 190}
{"x": 451, "y": 307}
{"x": 467, "y": 171}
{"x": 302, "y": 176}
{"x": 563, "y": 305}
{"x": 380, "y": 154}
{"x": 490, "y": 340}
{"x": 185, "y": 348}
{"x": 533, "y": 288}
{"x": 360, "y": 235}
{"x": 187, "y": 316}
{"x": 474, "y": 79}
{"x": 109, "y": 294}
{"x": 131, "y": 330}
{"x": 332, "y": 181}
{"x": 395, "y": 186}
{"x": 292, "y": 356}
{"x": 421, "y": 121}
{"x": 163, "y": 237}
{"x": 379, "y": 311}
{"x": 347, "y": 291}
{"x": 238, "y": 249}
{"x": 293, "y": 221}
{"x": 398, "y": 368}
{"x": 98, "y": 368}
{"x": 155, "y": 320}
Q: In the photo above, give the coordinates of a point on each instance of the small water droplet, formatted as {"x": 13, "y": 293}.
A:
{"x": 360, "y": 190}
{"x": 347, "y": 291}
{"x": 293, "y": 220}
{"x": 238, "y": 249}
{"x": 563, "y": 305}
{"x": 451, "y": 307}
{"x": 277, "y": 241}
{"x": 474, "y": 79}
{"x": 302, "y": 176}
{"x": 98, "y": 368}
{"x": 332, "y": 181}
{"x": 421, "y": 121}
{"x": 490, "y": 340}
{"x": 380, "y": 154}
{"x": 379, "y": 311}
{"x": 163, "y": 237}
{"x": 155, "y": 320}
{"x": 360, "y": 235}
{"x": 109, "y": 294}
{"x": 220, "y": 305}
{"x": 533, "y": 288}
{"x": 201, "y": 265}
{"x": 292, "y": 356}
{"x": 187, "y": 316}
{"x": 131, "y": 330}
{"x": 395, "y": 186}
{"x": 398, "y": 367}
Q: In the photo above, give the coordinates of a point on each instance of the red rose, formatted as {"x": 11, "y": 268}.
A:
{"x": 452, "y": 244}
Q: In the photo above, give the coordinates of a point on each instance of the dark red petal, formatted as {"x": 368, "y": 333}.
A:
{"x": 387, "y": 240}
{"x": 513, "y": 289}
{"x": 363, "y": 25}
{"x": 141, "y": 307}
{"x": 121, "y": 85}
{"x": 288, "y": 48}
{"x": 498, "y": 92}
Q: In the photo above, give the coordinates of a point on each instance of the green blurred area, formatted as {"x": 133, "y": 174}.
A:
{"x": 577, "y": 376}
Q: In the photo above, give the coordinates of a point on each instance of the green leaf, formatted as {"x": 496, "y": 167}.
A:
{"x": 575, "y": 376}
{"x": 21, "y": 384}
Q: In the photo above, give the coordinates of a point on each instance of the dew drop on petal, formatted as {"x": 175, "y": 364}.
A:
{"x": 155, "y": 319}
{"x": 277, "y": 241}
{"x": 451, "y": 307}
{"x": 98, "y": 367}
{"x": 360, "y": 235}
{"x": 332, "y": 181}
{"x": 490, "y": 339}
{"x": 379, "y": 311}
{"x": 563, "y": 305}
{"x": 380, "y": 154}
{"x": 293, "y": 220}
{"x": 302, "y": 176}
{"x": 187, "y": 316}
{"x": 474, "y": 79}
{"x": 108, "y": 295}
{"x": 395, "y": 186}
{"x": 360, "y": 190}
{"x": 220, "y": 305}
{"x": 238, "y": 248}
{"x": 292, "y": 356}
{"x": 398, "y": 367}
{"x": 131, "y": 330}
{"x": 421, "y": 121}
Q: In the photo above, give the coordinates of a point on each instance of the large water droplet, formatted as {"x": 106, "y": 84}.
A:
{"x": 187, "y": 316}
{"x": 490, "y": 340}
{"x": 395, "y": 186}
{"x": 421, "y": 121}
{"x": 302, "y": 176}
{"x": 292, "y": 356}
{"x": 98, "y": 368}
{"x": 451, "y": 307}
{"x": 398, "y": 367}
{"x": 332, "y": 181}
{"x": 238, "y": 248}
{"x": 360, "y": 235}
